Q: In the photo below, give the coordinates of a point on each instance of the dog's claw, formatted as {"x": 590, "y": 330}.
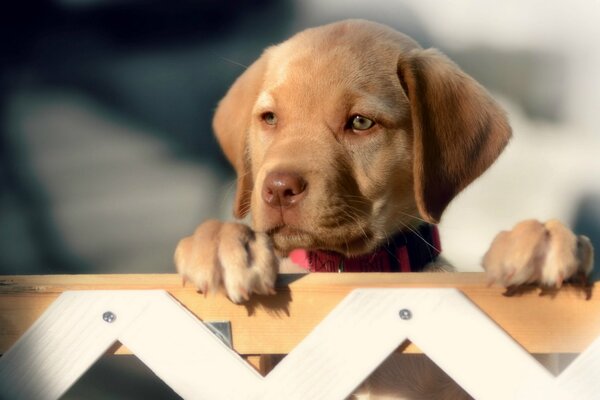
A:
{"x": 559, "y": 280}
{"x": 203, "y": 289}
{"x": 244, "y": 293}
{"x": 508, "y": 276}
{"x": 490, "y": 280}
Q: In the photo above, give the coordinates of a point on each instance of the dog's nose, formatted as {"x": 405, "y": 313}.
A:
{"x": 283, "y": 189}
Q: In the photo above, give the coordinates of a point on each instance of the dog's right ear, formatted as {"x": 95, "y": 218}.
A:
{"x": 231, "y": 123}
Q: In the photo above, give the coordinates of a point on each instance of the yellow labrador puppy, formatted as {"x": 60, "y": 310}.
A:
{"x": 349, "y": 140}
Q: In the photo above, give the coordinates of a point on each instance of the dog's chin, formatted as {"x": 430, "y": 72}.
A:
{"x": 287, "y": 238}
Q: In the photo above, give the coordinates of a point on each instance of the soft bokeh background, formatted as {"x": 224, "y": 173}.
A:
{"x": 106, "y": 152}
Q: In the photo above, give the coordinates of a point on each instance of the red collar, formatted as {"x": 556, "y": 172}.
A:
{"x": 405, "y": 252}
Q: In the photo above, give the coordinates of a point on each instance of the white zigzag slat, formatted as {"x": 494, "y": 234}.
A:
{"x": 328, "y": 364}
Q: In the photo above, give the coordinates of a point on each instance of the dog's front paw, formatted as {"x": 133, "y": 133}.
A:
{"x": 230, "y": 255}
{"x": 537, "y": 253}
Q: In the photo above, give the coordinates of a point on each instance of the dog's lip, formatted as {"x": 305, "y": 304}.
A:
{"x": 286, "y": 230}
{"x": 348, "y": 245}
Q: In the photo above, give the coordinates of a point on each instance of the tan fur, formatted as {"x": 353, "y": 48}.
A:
{"x": 533, "y": 252}
{"x": 436, "y": 130}
{"x": 228, "y": 254}
{"x": 458, "y": 129}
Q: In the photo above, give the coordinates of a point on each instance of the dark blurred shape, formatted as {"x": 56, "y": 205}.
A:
{"x": 139, "y": 56}
{"x": 161, "y": 64}
{"x": 587, "y": 222}
{"x": 158, "y": 65}
{"x": 120, "y": 377}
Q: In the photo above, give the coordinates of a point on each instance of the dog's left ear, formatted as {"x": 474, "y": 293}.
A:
{"x": 458, "y": 129}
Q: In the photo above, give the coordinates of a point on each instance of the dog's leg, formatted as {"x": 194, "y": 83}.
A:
{"x": 538, "y": 253}
{"x": 230, "y": 255}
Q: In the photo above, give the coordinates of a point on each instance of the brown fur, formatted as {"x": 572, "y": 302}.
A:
{"x": 310, "y": 181}
{"x": 431, "y": 140}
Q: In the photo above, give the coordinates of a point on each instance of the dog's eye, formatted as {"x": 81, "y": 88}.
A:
{"x": 360, "y": 123}
{"x": 269, "y": 117}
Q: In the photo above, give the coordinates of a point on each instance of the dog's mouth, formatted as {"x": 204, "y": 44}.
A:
{"x": 287, "y": 230}
{"x": 287, "y": 238}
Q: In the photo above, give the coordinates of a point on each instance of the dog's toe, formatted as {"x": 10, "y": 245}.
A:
{"x": 228, "y": 255}
{"x": 249, "y": 263}
{"x": 533, "y": 252}
{"x": 195, "y": 258}
{"x": 513, "y": 255}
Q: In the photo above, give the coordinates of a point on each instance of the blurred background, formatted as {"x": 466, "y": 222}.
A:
{"x": 107, "y": 157}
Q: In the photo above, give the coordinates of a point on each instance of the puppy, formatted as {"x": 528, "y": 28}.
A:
{"x": 349, "y": 140}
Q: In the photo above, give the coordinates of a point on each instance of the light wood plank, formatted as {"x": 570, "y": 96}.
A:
{"x": 64, "y": 342}
{"x": 564, "y": 322}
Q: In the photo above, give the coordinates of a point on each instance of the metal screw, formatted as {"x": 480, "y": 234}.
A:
{"x": 405, "y": 314}
{"x": 109, "y": 317}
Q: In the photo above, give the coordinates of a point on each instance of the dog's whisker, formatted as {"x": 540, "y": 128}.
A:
{"x": 417, "y": 234}
{"x": 229, "y": 190}
{"x": 360, "y": 200}
{"x": 346, "y": 245}
{"x": 413, "y": 217}
{"x": 231, "y": 187}
{"x": 355, "y": 220}
{"x": 230, "y": 61}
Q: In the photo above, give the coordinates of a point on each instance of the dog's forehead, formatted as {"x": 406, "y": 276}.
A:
{"x": 305, "y": 64}
{"x": 354, "y": 53}
{"x": 317, "y": 55}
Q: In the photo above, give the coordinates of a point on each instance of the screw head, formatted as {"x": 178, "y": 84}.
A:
{"x": 405, "y": 314}
{"x": 109, "y": 317}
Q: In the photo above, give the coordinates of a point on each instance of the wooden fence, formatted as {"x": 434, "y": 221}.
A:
{"x": 53, "y": 328}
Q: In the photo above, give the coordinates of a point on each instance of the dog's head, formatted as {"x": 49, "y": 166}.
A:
{"x": 350, "y": 132}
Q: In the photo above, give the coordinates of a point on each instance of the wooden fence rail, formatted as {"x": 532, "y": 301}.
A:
{"x": 566, "y": 321}
{"x": 561, "y": 322}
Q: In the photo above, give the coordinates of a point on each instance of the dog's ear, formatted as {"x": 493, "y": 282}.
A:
{"x": 231, "y": 123}
{"x": 458, "y": 129}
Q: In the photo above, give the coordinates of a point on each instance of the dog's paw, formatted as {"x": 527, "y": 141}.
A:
{"x": 230, "y": 255}
{"x": 536, "y": 253}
